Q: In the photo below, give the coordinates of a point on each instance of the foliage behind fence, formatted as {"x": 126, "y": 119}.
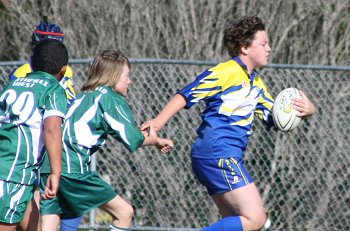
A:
{"x": 303, "y": 176}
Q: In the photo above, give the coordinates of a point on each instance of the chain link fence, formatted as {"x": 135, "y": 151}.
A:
{"x": 303, "y": 176}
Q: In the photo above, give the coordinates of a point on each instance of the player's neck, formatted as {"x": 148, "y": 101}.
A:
{"x": 248, "y": 63}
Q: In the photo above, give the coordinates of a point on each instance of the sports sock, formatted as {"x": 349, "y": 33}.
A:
{"x": 267, "y": 225}
{"x": 226, "y": 224}
{"x": 115, "y": 228}
{"x": 70, "y": 224}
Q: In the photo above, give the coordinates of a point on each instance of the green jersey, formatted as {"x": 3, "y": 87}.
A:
{"x": 90, "y": 119}
{"x": 24, "y": 105}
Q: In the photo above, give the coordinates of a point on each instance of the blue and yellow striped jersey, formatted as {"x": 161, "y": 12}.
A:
{"x": 66, "y": 82}
{"x": 232, "y": 98}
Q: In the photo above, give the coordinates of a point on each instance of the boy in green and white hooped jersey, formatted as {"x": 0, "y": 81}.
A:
{"x": 31, "y": 114}
{"x": 100, "y": 110}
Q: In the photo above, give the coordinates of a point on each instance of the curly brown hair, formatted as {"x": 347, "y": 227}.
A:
{"x": 240, "y": 33}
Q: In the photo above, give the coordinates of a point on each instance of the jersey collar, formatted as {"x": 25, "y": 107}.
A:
{"x": 241, "y": 63}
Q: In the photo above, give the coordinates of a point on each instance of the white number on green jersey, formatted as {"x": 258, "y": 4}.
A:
{"x": 21, "y": 106}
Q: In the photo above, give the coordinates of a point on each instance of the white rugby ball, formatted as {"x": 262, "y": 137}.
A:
{"x": 284, "y": 116}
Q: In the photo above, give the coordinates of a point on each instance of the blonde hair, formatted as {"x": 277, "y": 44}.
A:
{"x": 105, "y": 70}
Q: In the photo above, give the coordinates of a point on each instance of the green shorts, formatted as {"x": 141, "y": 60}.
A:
{"x": 78, "y": 194}
{"x": 14, "y": 200}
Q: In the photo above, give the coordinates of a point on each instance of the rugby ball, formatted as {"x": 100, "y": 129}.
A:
{"x": 284, "y": 116}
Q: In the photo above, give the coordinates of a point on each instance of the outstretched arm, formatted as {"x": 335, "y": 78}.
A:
{"x": 174, "y": 105}
{"x": 53, "y": 145}
{"x": 304, "y": 106}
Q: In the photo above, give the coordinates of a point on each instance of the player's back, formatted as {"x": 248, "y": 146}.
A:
{"x": 66, "y": 82}
{"x": 24, "y": 104}
{"x": 90, "y": 119}
{"x": 85, "y": 129}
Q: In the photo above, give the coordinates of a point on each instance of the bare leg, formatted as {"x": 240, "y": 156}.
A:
{"x": 120, "y": 210}
{"x": 244, "y": 202}
{"x": 50, "y": 222}
{"x": 7, "y": 227}
{"x": 31, "y": 218}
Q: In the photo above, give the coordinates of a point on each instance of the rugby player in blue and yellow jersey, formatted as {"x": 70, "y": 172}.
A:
{"x": 234, "y": 94}
{"x": 31, "y": 114}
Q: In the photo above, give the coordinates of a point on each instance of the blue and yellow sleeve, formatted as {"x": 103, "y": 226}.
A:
{"x": 68, "y": 86}
{"x": 265, "y": 103}
{"x": 20, "y": 72}
{"x": 212, "y": 82}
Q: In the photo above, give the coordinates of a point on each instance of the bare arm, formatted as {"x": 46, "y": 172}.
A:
{"x": 174, "y": 105}
{"x": 53, "y": 145}
{"x": 150, "y": 127}
{"x": 151, "y": 138}
{"x": 150, "y": 135}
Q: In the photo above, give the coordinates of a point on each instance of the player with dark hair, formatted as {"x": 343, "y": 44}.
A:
{"x": 233, "y": 92}
{"x": 100, "y": 110}
{"x": 42, "y": 31}
{"x": 44, "y": 61}
{"x": 31, "y": 114}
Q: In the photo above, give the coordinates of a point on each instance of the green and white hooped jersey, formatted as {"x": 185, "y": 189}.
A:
{"x": 90, "y": 119}
{"x": 24, "y": 105}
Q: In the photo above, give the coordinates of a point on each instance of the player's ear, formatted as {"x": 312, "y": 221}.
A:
{"x": 60, "y": 74}
{"x": 63, "y": 70}
{"x": 244, "y": 50}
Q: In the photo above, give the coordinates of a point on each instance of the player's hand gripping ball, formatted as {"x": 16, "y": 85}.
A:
{"x": 284, "y": 116}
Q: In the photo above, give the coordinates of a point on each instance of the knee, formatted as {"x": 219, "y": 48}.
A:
{"x": 120, "y": 210}
{"x": 254, "y": 222}
{"x": 130, "y": 211}
{"x": 126, "y": 213}
{"x": 258, "y": 222}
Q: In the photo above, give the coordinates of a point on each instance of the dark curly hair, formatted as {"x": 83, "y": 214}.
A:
{"x": 50, "y": 55}
{"x": 240, "y": 33}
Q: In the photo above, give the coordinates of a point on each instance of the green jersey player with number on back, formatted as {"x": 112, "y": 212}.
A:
{"x": 31, "y": 114}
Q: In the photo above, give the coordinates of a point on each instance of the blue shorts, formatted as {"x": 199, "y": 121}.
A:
{"x": 221, "y": 175}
